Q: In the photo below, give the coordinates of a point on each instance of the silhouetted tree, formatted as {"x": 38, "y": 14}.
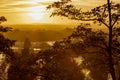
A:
{"x": 6, "y": 44}
{"x": 107, "y": 14}
{"x": 92, "y": 45}
{"x": 57, "y": 64}
{"x": 6, "y": 52}
{"x": 24, "y": 67}
{"x": 26, "y": 47}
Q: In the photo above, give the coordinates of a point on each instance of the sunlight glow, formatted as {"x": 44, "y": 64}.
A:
{"x": 36, "y": 13}
{"x": 86, "y": 72}
{"x": 36, "y": 9}
{"x": 35, "y": 16}
{"x": 44, "y": 0}
{"x": 23, "y": 2}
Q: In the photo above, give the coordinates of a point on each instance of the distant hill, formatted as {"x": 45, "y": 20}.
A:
{"x": 42, "y": 32}
{"x": 39, "y": 34}
{"x": 41, "y": 26}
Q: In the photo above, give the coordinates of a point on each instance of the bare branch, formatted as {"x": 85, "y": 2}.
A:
{"x": 115, "y": 21}
{"x": 104, "y": 23}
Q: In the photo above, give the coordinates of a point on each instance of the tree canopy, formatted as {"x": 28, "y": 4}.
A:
{"x": 6, "y": 52}
{"x": 6, "y": 44}
{"x": 107, "y": 14}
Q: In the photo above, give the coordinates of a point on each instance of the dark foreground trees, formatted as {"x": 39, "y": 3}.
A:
{"x": 23, "y": 66}
{"x": 5, "y": 43}
{"x": 92, "y": 45}
{"x": 57, "y": 64}
{"x": 107, "y": 14}
{"x": 6, "y": 52}
{"x": 14, "y": 66}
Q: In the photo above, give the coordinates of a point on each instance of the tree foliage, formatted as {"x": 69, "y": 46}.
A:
{"x": 107, "y": 14}
{"x": 6, "y": 52}
{"x": 23, "y": 66}
{"x": 6, "y": 44}
{"x": 92, "y": 46}
{"x": 94, "y": 52}
{"x": 99, "y": 14}
{"x": 56, "y": 64}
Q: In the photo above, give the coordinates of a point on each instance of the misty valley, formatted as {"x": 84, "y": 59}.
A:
{"x": 34, "y": 46}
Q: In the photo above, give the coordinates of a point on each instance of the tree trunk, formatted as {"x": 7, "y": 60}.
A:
{"x": 111, "y": 64}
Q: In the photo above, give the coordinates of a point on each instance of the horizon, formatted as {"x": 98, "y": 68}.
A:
{"x": 41, "y": 26}
{"x": 54, "y": 27}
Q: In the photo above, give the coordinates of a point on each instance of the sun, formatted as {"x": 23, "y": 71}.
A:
{"x": 36, "y": 13}
{"x": 35, "y": 16}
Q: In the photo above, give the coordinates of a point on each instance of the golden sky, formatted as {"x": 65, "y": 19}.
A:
{"x": 34, "y": 11}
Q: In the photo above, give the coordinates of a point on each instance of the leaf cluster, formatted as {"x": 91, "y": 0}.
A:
{"x": 57, "y": 64}
{"x": 5, "y": 43}
{"x": 98, "y": 14}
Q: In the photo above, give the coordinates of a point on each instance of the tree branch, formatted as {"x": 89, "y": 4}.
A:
{"x": 114, "y": 22}
{"x": 103, "y": 23}
{"x": 92, "y": 20}
{"x": 99, "y": 46}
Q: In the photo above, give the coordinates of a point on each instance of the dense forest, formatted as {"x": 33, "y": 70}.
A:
{"x": 80, "y": 53}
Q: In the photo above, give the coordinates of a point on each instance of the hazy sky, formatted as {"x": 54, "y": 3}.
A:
{"x": 34, "y": 11}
